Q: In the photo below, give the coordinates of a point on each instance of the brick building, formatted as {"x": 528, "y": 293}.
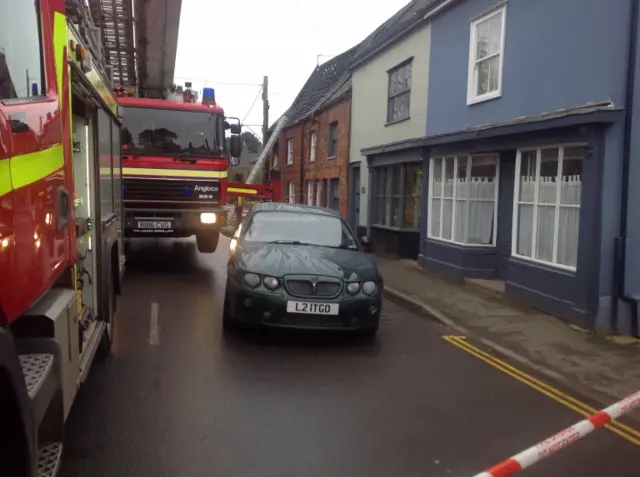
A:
{"x": 312, "y": 151}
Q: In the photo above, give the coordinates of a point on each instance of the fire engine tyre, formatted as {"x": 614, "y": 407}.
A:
{"x": 104, "y": 348}
{"x": 207, "y": 242}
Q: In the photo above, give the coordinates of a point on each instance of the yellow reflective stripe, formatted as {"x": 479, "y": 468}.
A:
{"x": 242, "y": 191}
{"x": 5, "y": 176}
{"x": 143, "y": 171}
{"x": 59, "y": 42}
{"x": 29, "y": 168}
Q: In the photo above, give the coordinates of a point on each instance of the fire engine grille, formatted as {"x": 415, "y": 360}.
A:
{"x": 171, "y": 190}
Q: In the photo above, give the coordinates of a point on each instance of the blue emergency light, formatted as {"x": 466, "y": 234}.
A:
{"x": 208, "y": 95}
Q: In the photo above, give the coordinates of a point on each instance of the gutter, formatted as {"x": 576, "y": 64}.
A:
{"x": 620, "y": 244}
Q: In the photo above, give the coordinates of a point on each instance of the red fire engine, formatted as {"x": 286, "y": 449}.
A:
{"x": 175, "y": 166}
{"x": 61, "y": 258}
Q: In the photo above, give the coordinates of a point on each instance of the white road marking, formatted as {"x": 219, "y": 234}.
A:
{"x": 154, "y": 328}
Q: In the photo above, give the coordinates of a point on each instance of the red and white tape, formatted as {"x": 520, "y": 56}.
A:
{"x": 562, "y": 439}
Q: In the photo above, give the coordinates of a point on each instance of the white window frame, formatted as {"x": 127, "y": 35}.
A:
{"x": 516, "y": 202}
{"x": 314, "y": 142}
{"x": 289, "y": 152}
{"x": 453, "y": 198}
{"x": 472, "y": 80}
{"x": 309, "y": 192}
{"x": 292, "y": 192}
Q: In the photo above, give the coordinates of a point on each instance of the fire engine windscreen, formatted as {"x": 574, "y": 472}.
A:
{"x": 172, "y": 131}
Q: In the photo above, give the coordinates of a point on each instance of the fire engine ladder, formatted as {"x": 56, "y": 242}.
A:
{"x": 265, "y": 151}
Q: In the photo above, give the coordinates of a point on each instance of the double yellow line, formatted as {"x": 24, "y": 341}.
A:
{"x": 622, "y": 430}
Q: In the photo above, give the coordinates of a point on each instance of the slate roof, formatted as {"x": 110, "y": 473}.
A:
{"x": 331, "y": 80}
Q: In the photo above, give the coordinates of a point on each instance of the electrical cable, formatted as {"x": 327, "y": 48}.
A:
{"x": 252, "y": 105}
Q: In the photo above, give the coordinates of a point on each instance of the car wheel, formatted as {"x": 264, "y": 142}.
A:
{"x": 207, "y": 242}
{"x": 228, "y": 323}
{"x": 369, "y": 335}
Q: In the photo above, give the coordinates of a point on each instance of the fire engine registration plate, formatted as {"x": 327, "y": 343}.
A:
{"x": 310, "y": 308}
{"x": 154, "y": 225}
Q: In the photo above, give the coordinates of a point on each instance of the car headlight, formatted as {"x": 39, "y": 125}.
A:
{"x": 369, "y": 287}
{"x": 353, "y": 288}
{"x": 252, "y": 280}
{"x": 271, "y": 282}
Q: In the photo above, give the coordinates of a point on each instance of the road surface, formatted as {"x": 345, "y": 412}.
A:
{"x": 177, "y": 398}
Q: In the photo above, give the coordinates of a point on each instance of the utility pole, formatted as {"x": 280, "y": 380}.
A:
{"x": 265, "y": 109}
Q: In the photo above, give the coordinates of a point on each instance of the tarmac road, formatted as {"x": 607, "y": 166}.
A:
{"x": 177, "y": 398}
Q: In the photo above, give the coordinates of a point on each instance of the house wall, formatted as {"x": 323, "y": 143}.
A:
{"x": 325, "y": 167}
{"x": 369, "y": 102}
{"x": 544, "y": 69}
{"x": 291, "y": 172}
{"x": 548, "y": 60}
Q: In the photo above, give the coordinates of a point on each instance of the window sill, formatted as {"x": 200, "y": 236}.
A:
{"x": 551, "y": 267}
{"x": 390, "y": 228}
{"x": 289, "y": 165}
{"x": 331, "y": 157}
{"x": 460, "y": 244}
{"x": 481, "y": 99}
{"x": 398, "y": 121}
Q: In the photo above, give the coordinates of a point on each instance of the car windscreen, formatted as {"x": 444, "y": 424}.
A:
{"x": 299, "y": 227}
{"x": 172, "y": 132}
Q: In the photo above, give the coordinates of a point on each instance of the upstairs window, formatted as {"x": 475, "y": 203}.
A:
{"x": 289, "y": 152}
{"x": 21, "y": 71}
{"x": 399, "y": 93}
{"x": 486, "y": 52}
{"x": 314, "y": 139}
{"x": 333, "y": 140}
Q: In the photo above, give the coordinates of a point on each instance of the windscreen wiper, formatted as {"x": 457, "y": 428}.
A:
{"x": 183, "y": 157}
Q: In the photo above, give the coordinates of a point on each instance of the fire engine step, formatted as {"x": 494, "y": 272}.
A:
{"x": 36, "y": 368}
{"x": 49, "y": 459}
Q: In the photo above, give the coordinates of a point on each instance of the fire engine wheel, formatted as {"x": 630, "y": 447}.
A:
{"x": 104, "y": 348}
{"x": 207, "y": 242}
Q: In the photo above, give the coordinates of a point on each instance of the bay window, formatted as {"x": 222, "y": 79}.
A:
{"x": 463, "y": 195}
{"x": 398, "y": 192}
{"x": 546, "y": 216}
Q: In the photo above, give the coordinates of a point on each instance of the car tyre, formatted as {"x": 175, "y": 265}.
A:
{"x": 228, "y": 323}
{"x": 369, "y": 335}
{"x": 207, "y": 242}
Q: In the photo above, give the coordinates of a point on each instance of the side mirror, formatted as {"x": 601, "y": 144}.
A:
{"x": 367, "y": 245}
{"x": 227, "y": 126}
{"x": 235, "y": 145}
{"x": 228, "y": 231}
{"x": 236, "y": 129}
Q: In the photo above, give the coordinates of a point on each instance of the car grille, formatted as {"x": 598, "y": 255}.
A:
{"x": 305, "y": 288}
{"x": 171, "y": 190}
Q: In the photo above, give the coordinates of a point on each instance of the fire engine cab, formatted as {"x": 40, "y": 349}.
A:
{"x": 61, "y": 246}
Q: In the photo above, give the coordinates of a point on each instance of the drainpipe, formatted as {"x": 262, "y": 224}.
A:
{"x": 302, "y": 162}
{"x": 620, "y": 248}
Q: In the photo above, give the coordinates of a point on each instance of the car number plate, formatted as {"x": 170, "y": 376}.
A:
{"x": 310, "y": 308}
{"x": 153, "y": 224}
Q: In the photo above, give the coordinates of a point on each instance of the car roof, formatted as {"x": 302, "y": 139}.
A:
{"x": 285, "y": 207}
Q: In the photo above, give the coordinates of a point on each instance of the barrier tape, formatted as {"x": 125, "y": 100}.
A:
{"x": 562, "y": 439}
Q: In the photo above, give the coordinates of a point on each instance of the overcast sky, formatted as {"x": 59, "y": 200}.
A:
{"x": 232, "y": 44}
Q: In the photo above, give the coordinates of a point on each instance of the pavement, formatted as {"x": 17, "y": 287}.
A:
{"x": 607, "y": 368}
{"x": 178, "y": 398}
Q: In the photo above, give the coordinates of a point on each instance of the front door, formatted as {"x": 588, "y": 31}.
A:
{"x": 354, "y": 213}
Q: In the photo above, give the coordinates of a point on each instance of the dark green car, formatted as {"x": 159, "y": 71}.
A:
{"x": 297, "y": 266}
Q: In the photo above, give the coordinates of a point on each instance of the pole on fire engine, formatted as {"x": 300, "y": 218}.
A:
{"x": 265, "y": 108}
